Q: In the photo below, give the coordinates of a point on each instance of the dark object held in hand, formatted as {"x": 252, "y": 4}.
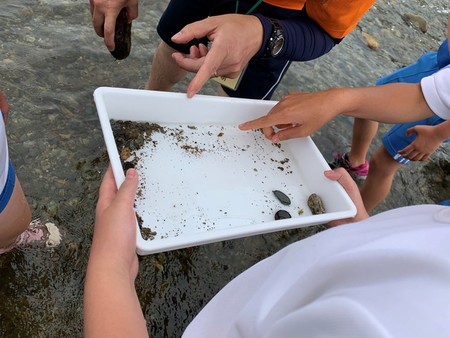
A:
{"x": 122, "y": 36}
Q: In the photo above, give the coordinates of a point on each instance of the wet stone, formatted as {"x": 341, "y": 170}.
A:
{"x": 282, "y": 214}
{"x": 122, "y": 36}
{"x": 127, "y": 165}
{"x": 416, "y": 21}
{"x": 315, "y": 203}
{"x": 282, "y": 197}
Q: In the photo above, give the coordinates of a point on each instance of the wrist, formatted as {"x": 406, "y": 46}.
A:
{"x": 266, "y": 25}
{"x": 108, "y": 263}
{"x": 342, "y": 101}
{"x": 255, "y": 42}
{"x": 443, "y": 131}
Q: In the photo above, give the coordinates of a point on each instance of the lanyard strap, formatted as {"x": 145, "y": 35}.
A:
{"x": 251, "y": 9}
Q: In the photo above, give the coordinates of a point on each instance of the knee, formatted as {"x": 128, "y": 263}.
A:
{"x": 166, "y": 49}
{"x": 15, "y": 218}
{"x": 376, "y": 162}
{"x": 382, "y": 164}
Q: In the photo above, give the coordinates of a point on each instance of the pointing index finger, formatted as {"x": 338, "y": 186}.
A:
{"x": 212, "y": 63}
{"x": 261, "y": 122}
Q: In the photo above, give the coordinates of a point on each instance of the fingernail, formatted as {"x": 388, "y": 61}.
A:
{"x": 131, "y": 173}
{"x": 275, "y": 139}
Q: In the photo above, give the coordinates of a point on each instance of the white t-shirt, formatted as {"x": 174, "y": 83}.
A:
{"x": 387, "y": 276}
{"x": 4, "y": 161}
{"x": 436, "y": 90}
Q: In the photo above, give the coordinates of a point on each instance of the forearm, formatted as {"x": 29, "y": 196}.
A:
{"x": 391, "y": 103}
{"x": 111, "y": 304}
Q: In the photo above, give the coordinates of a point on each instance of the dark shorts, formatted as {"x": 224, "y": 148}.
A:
{"x": 262, "y": 76}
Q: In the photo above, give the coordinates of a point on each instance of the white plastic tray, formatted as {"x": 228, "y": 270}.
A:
{"x": 204, "y": 180}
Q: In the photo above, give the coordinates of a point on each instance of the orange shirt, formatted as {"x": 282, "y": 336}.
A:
{"x": 336, "y": 17}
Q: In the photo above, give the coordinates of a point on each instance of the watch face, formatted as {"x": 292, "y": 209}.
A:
{"x": 277, "y": 45}
{"x": 276, "y": 40}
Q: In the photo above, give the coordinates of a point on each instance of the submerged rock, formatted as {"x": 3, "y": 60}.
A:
{"x": 416, "y": 21}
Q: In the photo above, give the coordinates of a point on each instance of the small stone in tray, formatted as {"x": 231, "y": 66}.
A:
{"x": 282, "y": 197}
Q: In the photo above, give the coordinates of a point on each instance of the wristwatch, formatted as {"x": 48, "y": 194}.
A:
{"x": 276, "y": 40}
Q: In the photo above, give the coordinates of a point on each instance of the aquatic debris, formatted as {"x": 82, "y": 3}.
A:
{"x": 147, "y": 234}
{"x": 192, "y": 149}
{"x": 125, "y": 153}
{"x": 315, "y": 203}
{"x": 371, "y": 42}
{"x": 282, "y": 197}
{"x": 133, "y": 135}
{"x": 282, "y": 214}
{"x": 122, "y": 36}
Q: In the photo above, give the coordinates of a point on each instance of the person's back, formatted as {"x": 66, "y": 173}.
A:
{"x": 386, "y": 276}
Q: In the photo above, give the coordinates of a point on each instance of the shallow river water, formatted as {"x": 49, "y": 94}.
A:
{"x": 51, "y": 61}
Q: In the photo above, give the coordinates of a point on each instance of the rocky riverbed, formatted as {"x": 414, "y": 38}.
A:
{"x": 51, "y": 61}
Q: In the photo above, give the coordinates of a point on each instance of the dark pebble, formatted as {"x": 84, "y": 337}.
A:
{"x": 122, "y": 36}
{"x": 127, "y": 165}
{"x": 282, "y": 214}
{"x": 282, "y": 197}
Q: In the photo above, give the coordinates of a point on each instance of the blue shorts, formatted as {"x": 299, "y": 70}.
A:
{"x": 426, "y": 65}
{"x": 261, "y": 76}
{"x": 395, "y": 139}
{"x": 8, "y": 188}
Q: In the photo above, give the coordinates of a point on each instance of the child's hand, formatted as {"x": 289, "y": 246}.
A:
{"x": 297, "y": 115}
{"x": 343, "y": 178}
{"x": 111, "y": 305}
{"x": 425, "y": 144}
{"x": 114, "y": 239}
